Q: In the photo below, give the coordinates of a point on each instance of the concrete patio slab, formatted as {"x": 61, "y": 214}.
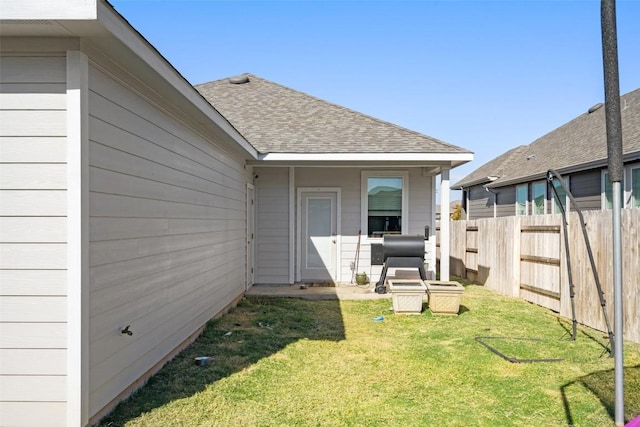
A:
{"x": 339, "y": 291}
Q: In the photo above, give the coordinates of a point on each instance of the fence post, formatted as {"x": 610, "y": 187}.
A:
{"x": 517, "y": 252}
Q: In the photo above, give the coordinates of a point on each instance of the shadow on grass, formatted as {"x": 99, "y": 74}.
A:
{"x": 602, "y": 385}
{"x": 564, "y": 324}
{"x": 257, "y": 328}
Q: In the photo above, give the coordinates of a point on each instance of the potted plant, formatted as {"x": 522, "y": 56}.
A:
{"x": 361, "y": 278}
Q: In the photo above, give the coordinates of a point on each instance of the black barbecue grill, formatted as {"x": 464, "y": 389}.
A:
{"x": 401, "y": 251}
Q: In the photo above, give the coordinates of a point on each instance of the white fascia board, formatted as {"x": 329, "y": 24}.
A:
{"x": 48, "y": 9}
{"x": 120, "y": 29}
{"x": 367, "y": 157}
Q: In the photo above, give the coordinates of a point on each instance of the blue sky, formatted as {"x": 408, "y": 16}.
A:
{"x": 484, "y": 75}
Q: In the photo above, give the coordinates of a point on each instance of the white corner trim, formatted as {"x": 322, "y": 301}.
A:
{"x": 292, "y": 226}
{"x": 433, "y": 232}
{"x": 77, "y": 239}
{"x": 444, "y": 225}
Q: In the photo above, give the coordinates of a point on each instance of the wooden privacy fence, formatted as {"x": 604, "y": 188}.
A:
{"x": 525, "y": 257}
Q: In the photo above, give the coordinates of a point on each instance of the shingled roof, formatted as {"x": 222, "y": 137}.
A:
{"x": 277, "y": 119}
{"x": 577, "y": 145}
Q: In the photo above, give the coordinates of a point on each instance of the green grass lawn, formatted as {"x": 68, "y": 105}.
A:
{"x": 290, "y": 362}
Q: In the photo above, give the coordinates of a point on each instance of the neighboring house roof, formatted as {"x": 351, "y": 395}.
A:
{"x": 492, "y": 169}
{"x": 277, "y": 119}
{"x": 577, "y": 145}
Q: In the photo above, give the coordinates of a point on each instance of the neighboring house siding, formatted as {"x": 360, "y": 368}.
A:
{"x": 506, "y": 201}
{"x": 33, "y": 261}
{"x": 167, "y": 233}
{"x": 585, "y": 188}
{"x": 272, "y": 225}
{"x": 480, "y": 203}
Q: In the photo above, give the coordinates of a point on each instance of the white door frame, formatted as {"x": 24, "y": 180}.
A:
{"x": 301, "y": 190}
{"x": 251, "y": 242}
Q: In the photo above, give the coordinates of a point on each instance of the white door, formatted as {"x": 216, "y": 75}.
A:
{"x": 318, "y": 236}
{"x": 250, "y": 234}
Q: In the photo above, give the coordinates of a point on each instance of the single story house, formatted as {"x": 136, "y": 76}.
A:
{"x": 323, "y": 174}
{"x": 135, "y": 208}
{"x": 514, "y": 183}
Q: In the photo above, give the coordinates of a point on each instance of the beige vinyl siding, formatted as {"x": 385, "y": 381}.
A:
{"x": 272, "y": 225}
{"x": 421, "y": 211}
{"x": 33, "y": 224}
{"x": 167, "y": 233}
{"x": 349, "y": 181}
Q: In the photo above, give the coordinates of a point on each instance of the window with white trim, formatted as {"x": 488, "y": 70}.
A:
{"x": 384, "y": 203}
{"x": 539, "y": 197}
{"x": 562, "y": 195}
{"x": 521, "y": 199}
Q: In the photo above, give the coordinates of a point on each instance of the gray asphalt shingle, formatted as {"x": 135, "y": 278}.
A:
{"x": 277, "y": 119}
{"x": 582, "y": 141}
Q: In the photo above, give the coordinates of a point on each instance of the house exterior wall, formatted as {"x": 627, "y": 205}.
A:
{"x": 167, "y": 231}
{"x": 273, "y": 219}
{"x": 482, "y": 207}
{"x": 348, "y": 180}
{"x": 422, "y": 189}
{"x": 33, "y": 248}
{"x": 586, "y": 189}
{"x": 585, "y": 186}
{"x": 272, "y": 224}
{"x": 506, "y": 201}
{"x": 480, "y": 202}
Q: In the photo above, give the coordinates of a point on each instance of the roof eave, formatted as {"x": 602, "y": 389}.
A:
{"x": 133, "y": 40}
{"x": 596, "y": 164}
{"x": 99, "y": 22}
{"x": 457, "y": 158}
{"x": 435, "y": 162}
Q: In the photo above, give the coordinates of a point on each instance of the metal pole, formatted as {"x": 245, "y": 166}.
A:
{"x": 617, "y": 304}
{"x": 616, "y": 172}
